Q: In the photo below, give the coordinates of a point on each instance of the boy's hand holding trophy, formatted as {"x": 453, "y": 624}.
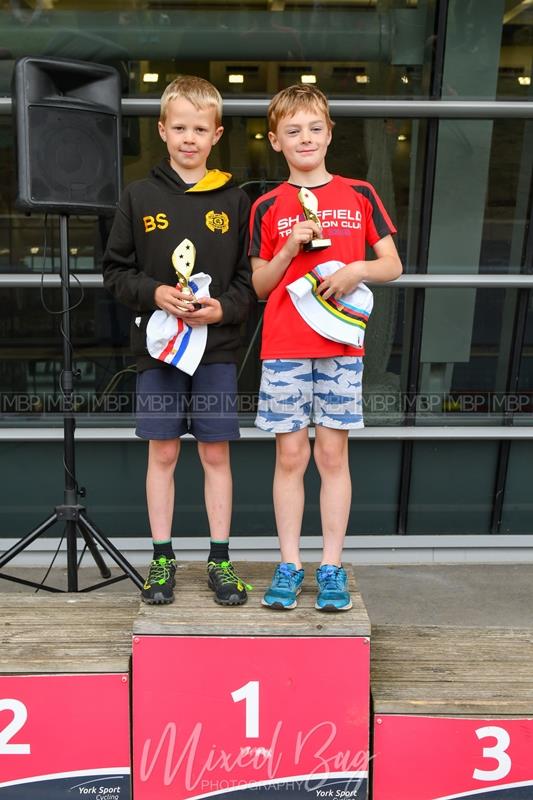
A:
{"x": 183, "y": 259}
{"x": 310, "y": 207}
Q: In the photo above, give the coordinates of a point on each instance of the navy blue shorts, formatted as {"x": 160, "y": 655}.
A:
{"x": 171, "y": 403}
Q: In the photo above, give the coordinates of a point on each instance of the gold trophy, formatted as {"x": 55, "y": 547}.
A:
{"x": 310, "y": 207}
{"x": 183, "y": 259}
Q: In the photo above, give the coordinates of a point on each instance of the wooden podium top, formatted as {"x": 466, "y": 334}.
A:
{"x": 64, "y": 633}
{"x": 91, "y": 632}
{"x": 195, "y": 613}
{"x": 450, "y": 670}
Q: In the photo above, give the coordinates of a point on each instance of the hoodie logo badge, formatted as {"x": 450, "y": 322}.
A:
{"x": 217, "y": 221}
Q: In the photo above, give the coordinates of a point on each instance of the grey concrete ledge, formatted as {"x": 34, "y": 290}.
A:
{"x": 383, "y": 433}
{"x": 474, "y": 280}
{"x": 412, "y": 549}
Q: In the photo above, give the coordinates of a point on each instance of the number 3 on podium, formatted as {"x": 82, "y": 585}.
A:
{"x": 497, "y": 751}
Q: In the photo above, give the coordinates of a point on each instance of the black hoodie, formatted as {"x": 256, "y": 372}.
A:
{"x": 153, "y": 217}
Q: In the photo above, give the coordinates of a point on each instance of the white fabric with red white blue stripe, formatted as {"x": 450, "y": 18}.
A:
{"x": 171, "y": 340}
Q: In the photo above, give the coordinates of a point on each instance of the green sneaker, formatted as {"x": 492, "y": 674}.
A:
{"x": 229, "y": 589}
{"x": 159, "y": 586}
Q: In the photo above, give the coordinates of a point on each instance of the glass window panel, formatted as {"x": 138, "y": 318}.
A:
{"x": 508, "y": 196}
{"x": 467, "y": 341}
{"x": 28, "y": 492}
{"x": 384, "y": 402}
{"x": 375, "y": 487}
{"x": 32, "y": 355}
{"x": 483, "y": 168}
{"x": 355, "y": 47}
{"x": 482, "y": 196}
{"x": 518, "y": 504}
{"x": 451, "y": 487}
{"x": 524, "y": 395}
{"x": 253, "y": 512}
{"x": 473, "y": 55}
{"x": 28, "y": 245}
{"x": 117, "y": 507}
{"x": 516, "y": 54}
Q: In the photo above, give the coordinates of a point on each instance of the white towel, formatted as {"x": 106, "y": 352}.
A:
{"x": 171, "y": 340}
{"x": 342, "y": 320}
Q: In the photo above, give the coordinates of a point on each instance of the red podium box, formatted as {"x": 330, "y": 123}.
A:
{"x": 63, "y": 736}
{"x": 64, "y": 697}
{"x": 453, "y": 712}
{"x": 246, "y": 702}
{"x": 424, "y": 758}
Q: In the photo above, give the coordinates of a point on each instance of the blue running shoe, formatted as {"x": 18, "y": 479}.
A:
{"x": 333, "y": 594}
{"x": 286, "y": 586}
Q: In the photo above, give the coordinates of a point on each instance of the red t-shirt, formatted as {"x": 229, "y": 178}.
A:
{"x": 351, "y": 215}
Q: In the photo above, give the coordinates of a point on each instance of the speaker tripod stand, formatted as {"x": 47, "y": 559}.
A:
{"x": 70, "y": 512}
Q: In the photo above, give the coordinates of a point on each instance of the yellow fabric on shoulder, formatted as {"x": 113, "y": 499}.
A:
{"x": 213, "y": 179}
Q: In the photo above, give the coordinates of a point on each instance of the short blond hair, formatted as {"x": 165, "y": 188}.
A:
{"x": 197, "y": 91}
{"x": 292, "y": 99}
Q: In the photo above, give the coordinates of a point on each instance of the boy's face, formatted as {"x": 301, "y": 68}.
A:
{"x": 303, "y": 138}
{"x": 189, "y": 134}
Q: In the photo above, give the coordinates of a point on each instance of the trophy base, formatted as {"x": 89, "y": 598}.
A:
{"x": 316, "y": 244}
{"x": 194, "y": 305}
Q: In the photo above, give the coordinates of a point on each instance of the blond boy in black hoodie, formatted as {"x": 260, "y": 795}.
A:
{"x": 182, "y": 199}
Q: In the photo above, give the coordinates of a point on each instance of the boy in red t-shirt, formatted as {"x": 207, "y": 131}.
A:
{"x": 306, "y": 376}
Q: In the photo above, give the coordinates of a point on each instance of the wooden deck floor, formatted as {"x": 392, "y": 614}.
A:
{"x": 417, "y": 669}
{"x": 452, "y": 670}
{"x": 65, "y": 633}
{"x": 52, "y": 633}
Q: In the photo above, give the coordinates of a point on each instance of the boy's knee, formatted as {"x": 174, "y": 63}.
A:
{"x": 165, "y": 452}
{"x": 293, "y": 457}
{"x": 213, "y": 454}
{"x": 330, "y": 456}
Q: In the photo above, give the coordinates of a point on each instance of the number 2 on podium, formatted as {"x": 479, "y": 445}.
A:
{"x": 250, "y": 693}
{"x": 20, "y": 715}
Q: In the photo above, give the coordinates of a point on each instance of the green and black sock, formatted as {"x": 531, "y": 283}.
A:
{"x": 219, "y": 550}
{"x": 163, "y": 549}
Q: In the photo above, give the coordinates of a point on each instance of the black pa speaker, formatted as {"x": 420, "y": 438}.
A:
{"x": 68, "y": 128}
